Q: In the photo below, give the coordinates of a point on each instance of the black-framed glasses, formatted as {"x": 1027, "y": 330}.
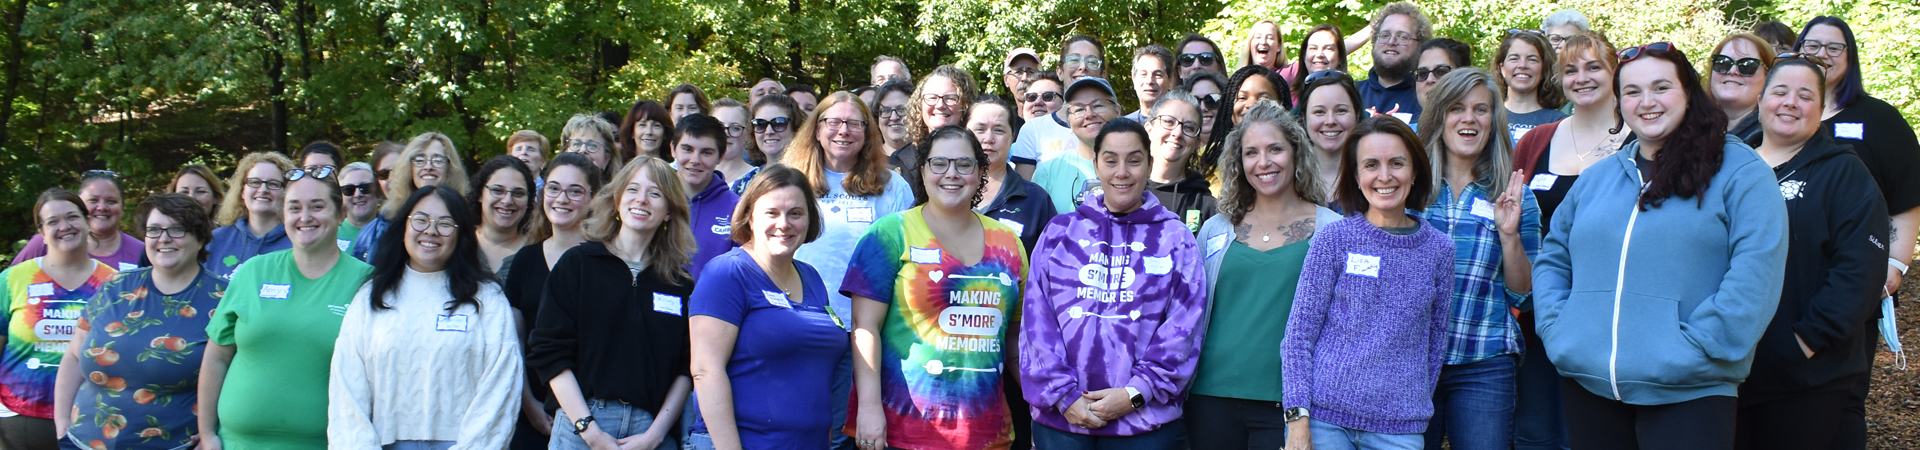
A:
{"x": 735, "y": 130}
{"x": 420, "y": 161}
{"x": 1168, "y": 122}
{"x": 777, "y": 124}
{"x": 1023, "y": 72}
{"x": 444, "y": 226}
{"x": 1202, "y": 58}
{"x": 1209, "y": 102}
{"x": 1723, "y": 64}
{"x": 1042, "y": 96}
{"x": 939, "y": 164}
{"x": 349, "y": 190}
{"x": 948, "y": 100}
{"x": 318, "y": 173}
{"x": 891, "y": 112}
{"x": 172, "y": 232}
{"x": 271, "y": 185}
{"x": 832, "y": 123}
{"x": 100, "y": 173}
{"x": 1815, "y": 60}
{"x": 1421, "y": 74}
{"x": 575, "y": 193}
{"x": 1635, "y": 52}
{"x": 1321, "y": 75}
{"x": 501, "y": 191}
{"x": 1513, "y": 31}
{"x": 1829, "y": 49}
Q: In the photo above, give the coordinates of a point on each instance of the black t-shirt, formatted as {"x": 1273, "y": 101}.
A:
{"x": 1555, "y": 192}
{"x": 1883, "y": 139}
{"x": 524, "y": 284}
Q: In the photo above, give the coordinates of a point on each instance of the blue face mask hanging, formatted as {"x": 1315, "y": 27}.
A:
{"x": 1891, "y": 333}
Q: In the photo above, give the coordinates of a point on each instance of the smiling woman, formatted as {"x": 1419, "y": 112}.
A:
{"x": 252, "y": 212}
{"x": 44, "y": 298}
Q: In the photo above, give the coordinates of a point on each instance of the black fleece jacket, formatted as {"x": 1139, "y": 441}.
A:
{"x": 623, "y": 334}
{"x": 1836, "y": 262}
{"x": 1190, "y": 199}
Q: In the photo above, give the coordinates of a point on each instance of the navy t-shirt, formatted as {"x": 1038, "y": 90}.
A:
{"x": 783, "y": 360}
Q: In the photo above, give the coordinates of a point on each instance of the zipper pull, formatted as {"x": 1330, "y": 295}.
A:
{"x": 636, "y": 277}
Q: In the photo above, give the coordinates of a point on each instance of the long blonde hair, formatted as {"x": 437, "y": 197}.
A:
{"x": 232, "y": 207}
{"x": 400, "y": 183}
{"x": 1496, "y": 156}
{"x": 672, "y": 246}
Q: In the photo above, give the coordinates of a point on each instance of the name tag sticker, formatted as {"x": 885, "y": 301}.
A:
{"x": 1850, "y": 130}
{"x": 278, "y": 291}
{"x": 1158, "y": 265}
{"x": 1482, "y": 209}
{"x": 1404, "y": 117}
{"x": 1216, "y": 243}
{"x": 1018, "y": 228}
{"x": 669, "y": 304}
{"x": 40, "y": 290}
{"x": 450, "y": 322}
{"x": 862, "y": 214}
{"x": 128, "y": 266}
{"x": 1543, "y": 181}
{"x": 343, "y": 243}
{"x": 924, "y": 255}
{"x": 777, "y": 299}
{"x": 1363, "y": 265}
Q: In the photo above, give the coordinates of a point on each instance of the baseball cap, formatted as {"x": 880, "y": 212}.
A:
{"x": 1019, "y": 52}
{"x": 1091, "y": 82}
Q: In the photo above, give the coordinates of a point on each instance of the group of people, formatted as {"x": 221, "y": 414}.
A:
{"x": 919, "y": 265}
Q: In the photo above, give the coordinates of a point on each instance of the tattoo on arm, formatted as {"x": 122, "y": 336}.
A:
{"x": 1297, "y": 231}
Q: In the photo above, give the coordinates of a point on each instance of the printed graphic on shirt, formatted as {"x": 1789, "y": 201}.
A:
{"x": 41, "y": 320}
{"x": 1792, "y": 189}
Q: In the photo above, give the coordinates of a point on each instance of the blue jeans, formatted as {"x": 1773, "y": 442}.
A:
{"x": 1473, "y": 405}
{"x": 1328, "y": 436}
{"x": 1171, "y": 436}
{"x": 698, "y": 441}
{"x": 1537, "y": 421}
{"x": 842, "y": 388}
{"x": 418, "y": 445}
{"x": 617, "y": 419}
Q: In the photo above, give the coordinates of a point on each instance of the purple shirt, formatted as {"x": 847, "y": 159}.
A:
{"x": 125, "y": 259}
{"x": 1112, "y": 301}
{"x": 712, "y": 211}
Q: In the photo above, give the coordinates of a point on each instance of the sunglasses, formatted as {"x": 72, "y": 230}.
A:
{"x": 1421, "y": 74}
{"x": 1324, "y": 74}
{"x": 1723, "y": 64}
{"x": 1209, "y": 102}
{"x": 1047, "y": 96}
{"x": 99, "y": 173}
{"x": 1649, "y": 49}
{"x": 1203, "y": 58}
{"x": 1815, "y": 60}
{"x": 319, "y": 173}
{"x": 778, "y": 124}
{"x": 349, "y": 190}
{"x": 1512, "y": 31}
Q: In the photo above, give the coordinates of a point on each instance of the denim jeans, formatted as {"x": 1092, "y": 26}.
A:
{"x": 1172, "y": 436}
{"x": 842, "y": 388}
{"x": 617, "y": 419}
{"x": 1537, "y": 421}
{"x": 1328, "y": 436}
{"x": 418, "y": 445}
{"x": 698, "y": 441}
{"x": 1473, "y": 405}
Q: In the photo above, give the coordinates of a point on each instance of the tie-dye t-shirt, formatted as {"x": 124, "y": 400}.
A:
{"x": 944, "y": 334}
{"x": 40, "y": 320}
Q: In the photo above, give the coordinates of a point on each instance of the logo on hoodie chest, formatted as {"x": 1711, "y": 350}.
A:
{"x": 1792, "y": 189}
{"x": 1107, "y": 278}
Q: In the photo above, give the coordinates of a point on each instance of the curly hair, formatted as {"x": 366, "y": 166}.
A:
{"x": 1236, "y": 193}
{"x": 232, "y": 207}
{"x": 948, "y": 133}
{"x": 916, "y": 123}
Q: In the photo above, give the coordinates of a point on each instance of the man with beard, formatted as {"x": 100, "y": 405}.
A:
{"x": 1398, "y": 29}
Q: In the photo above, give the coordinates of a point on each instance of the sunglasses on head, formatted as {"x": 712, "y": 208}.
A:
{"x": 318, "y": 173}
{"x": 1203, "y": 58}
{"x": 1649, "y": 49}
{"x": 1317, "y": 76}
{"x": 99, "y": 173}
{"x": 1817, "y": 61}
{"x": 778, "y": 124}
{"x": 1723, "y": 64}
{"x": 1512, "y": 31}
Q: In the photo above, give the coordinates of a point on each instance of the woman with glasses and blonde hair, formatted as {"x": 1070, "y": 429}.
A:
{"x": 251, "y": 212}
{"x": 572, "y": 181}
{"x": 1173, "y": 126}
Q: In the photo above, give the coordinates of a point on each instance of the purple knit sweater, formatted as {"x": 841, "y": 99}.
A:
{"x": 1366, "y": 337}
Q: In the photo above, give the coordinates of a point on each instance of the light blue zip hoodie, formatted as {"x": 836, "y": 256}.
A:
{"x": 1665, "y": 305}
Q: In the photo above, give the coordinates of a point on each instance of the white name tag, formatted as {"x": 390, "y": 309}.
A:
{"x": 1018, "y": 228}
{"x": 1482, "y": 209}
{"x": 923, "y": 255}
{"x": 343, "y": 243}
{"x": 279, "y": 291}
{"x": 1404, "y": 117}
{"x": 40, "y": 290}
{"x": 1850, "y": 130}
{"x": 128, "y": 266}
{"x": 862, "y": 214}
{"x": 1216, "y": 243}
{"x": 1158, "y": 265}
{"x": 1363, "y": 265}
{"x": 1543, "y": 181}
{"x": 669, "y": 304}
{"x": 450, "y": 322}
{"x": 777, "y": 299}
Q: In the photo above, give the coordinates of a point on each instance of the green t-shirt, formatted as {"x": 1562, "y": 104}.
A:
{"x": 282, "y": 326}
{"x": 347, "y": 234}
{"x": 1069, "y": 179}
{"x": 1251, "y": 300}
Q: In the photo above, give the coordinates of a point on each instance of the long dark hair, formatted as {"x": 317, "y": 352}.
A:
{"x": 645, "y": 110}
{"x": 1340, "y": 46}
{"x": 477, "y": 192}
{"x": 464, "y": 270}
{"x": 1851, "y": 89}
{"x": 1223, "y": 117}
{"x": 1693, "y": 152}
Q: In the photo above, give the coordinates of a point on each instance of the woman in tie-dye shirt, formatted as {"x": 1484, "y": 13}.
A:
{"x": 44, "y": 298}
{"x": 930, "y": 326}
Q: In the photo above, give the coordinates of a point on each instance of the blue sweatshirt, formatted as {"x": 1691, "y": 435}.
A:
{"x": 1664, "y": 305}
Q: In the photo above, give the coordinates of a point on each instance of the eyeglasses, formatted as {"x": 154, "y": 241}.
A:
{"x": 835, "y": 123}
{"x": 1723, "y": 64}
{"x": 99, "y": 173}
{"x": 891, "y": 113}
{"x": 1097, "y": 107}
{"x": 318, "y": 173}
{"x": 1202, "y": 58}
{"x": 778, "y": 124}
{"x": 1817, "y": 61}
{"x": 1209, "y": 102}
{"x": 424, "y": 161}
{"x": 172, "y": 232}
{"x": 1386, "y": 37}
{"x": 1635, "y": 52}
{"x": 581, "y": 146}
{"x": 735, "y": 130}
{"x": 1513, "y": 31}
{"x": 382, "y": 174}
{"x": 939, "y": 164}
{"x": 1046, "y": 96}
{"x": 349, "y": 190}
{"x": 1071, "y": 62}
{"x": 1831, "y": 49}
{"x": 502, "y": 191}
{"x": 1421, "y": 74}
{"x": 1324, "y": 74}
{"x": 420, "y": 222}
{"x": 1187, "y": 128}
{"x": 271, "y": 185}
{"x": 1023, "y": 72}
{"x": 575, "y": 193}
{"x": 1556, "y": 39}
{"x": 948, "y": 100}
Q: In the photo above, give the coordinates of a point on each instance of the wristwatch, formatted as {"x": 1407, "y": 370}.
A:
{"x": 580, "y": 426}
{"x": 1294, "y": 413}
{"x": 1137, "y": 400}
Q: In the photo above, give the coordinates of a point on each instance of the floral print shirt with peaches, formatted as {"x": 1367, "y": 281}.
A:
{"x": 141, "y": 356}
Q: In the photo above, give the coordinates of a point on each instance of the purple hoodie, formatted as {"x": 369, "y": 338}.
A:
{"x": 712, "y": 211}
{"x": 1112, "y": 302}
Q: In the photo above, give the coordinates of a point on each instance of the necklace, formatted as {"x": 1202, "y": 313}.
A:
{"x": 1596, "y": 148}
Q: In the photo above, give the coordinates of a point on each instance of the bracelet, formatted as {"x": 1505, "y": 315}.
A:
{"x": 1897, "y": 265}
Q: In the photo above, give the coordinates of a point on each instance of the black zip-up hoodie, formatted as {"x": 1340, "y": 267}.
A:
{"x": 1836, "y": 259}
{"x": 623, "y": 333}
{"x": 1191, "y": 199}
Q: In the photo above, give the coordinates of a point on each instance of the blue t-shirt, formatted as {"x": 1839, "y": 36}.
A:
{"x": 783, "y": 359}
{"x": 847, "y": 218}
{"x": 1519, "y": 124}
{"x": 235, "y": 244}
{"x": 1401, "y": 99}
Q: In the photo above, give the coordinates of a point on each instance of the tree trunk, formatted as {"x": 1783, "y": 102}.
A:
{"x": 16, "y": 53}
